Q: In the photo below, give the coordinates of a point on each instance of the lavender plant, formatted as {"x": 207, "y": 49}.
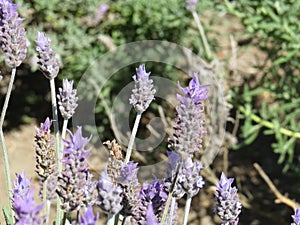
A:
{"x": 64, "y": 169}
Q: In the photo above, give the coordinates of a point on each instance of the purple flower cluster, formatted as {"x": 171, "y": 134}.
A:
{"x": 67, "y": 99}
{"x": 189, "y": 128}
{"x": 143, "y": 91}
{"x": 109, "y": 195}
{"x": 152, "y": 195}
{"x": 12, "y": 34}
{"x": 75, "y": 175}
{"x": 47, "y": 60}
{"x": 26, "y": 211}
{"x": 228, "y": 205}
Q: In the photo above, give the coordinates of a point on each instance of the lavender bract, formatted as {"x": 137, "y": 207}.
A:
{"x": 12, "y": 33}
{"x": 143, "y": 91}
{"x": 75, "y": 175}
{"x": 26, "y": 211}
{"x": 228, "y": 205}
{"x": 47, "y": 61}
{"x": 150, "y": 216}
{"x": 67, "y": 99}
{"x": 296, "y": 217}
{"x": 189, "y": 128}
{"x": 88, "y": 217}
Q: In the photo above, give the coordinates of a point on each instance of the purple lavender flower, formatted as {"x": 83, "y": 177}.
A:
{"x": 67, "y": 99}
{"x": 150, "y": 216}
{"x": 21, "y": 185}
{"x": 143, "y": 92}
{"x": 189, "y": 128}
{"x": 154, "y": 194}
{"x": 88, "y": 217}
{"x": 12, "y": 33}
{"x": 75, "y": 175}
{"x": 128, "y": 175}
{"x": 296, "y": 217}
{"x": 100, "y": 13}
{"x": 228, "y": 205}
{"x": 26, "y": 211}
{"x": 191, "y": 4}
{"x": 47, "y": 61}
{"x": 189, "y": 179}
{"x": 109, "y": 194}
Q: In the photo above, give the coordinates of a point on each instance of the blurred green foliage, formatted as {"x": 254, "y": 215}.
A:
{"x": 274, "y": 27}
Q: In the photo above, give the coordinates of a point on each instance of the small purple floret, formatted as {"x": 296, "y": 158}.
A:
{"x": 88, "y": 217}
{"x": 296, "y": 217}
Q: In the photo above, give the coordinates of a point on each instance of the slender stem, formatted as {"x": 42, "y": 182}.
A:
{"x": 48, "y": 206}
{"x": 3, "y": 145}
{"x": 117, "y": 218}
{"x": 202, "y": 34}
{"x": 111, "y": 219}
{"x": 172, "y": 208}
{"x": 166, "y": 210}
{"x": 187, "y": 210}
{"x": 7, "y": 97}
{"x": 132, "y": 137}
{"x": 45, "y": 209}
{"x": 7, "y": 175}
{"x": 57, "y": 146}
{"x": 124, "y": 220}
{"x": 63, "y": 134}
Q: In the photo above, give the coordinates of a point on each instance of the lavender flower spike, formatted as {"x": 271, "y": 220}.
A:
{"x": 296, "y": 217}
{"x": 189, "y": 128}
{"x": 88, "y": 217}
{"x": 67, "y": 99}
{"x": 26, "y": 211}
{"x": 75, "y": 176}
{"x": 47, "y": 60}
{"x": 143, "y": 91}
{"x": 45, "y": 150}
{"x": 12, "y": 34}
{"x": 110, "y": 195}
{"x": 228, "y": 205}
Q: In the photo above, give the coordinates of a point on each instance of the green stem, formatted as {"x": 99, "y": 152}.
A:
{"x": 117, "y": 219}
{"x": 132, "y": 137}
{"x": 202, "y": 35}
{"x": 187, "y": 210}
{"x": 59, "y": 212}
{"x": 268, "y": 124}
{"x": 3, "y": 145}
{"x": 111, "y": 219}
{"x": 172, "y": 208}
{"x": 166, "y": 210}
{"x": 63, "y": 134}
{"x": 45, "y": 209}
